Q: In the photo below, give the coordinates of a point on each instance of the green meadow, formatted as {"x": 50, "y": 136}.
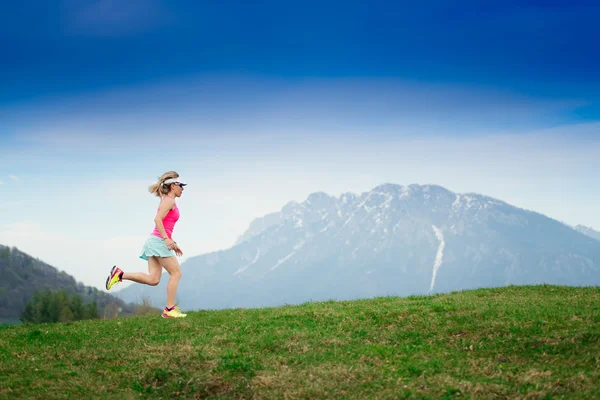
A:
{"x": 534, "y": 342}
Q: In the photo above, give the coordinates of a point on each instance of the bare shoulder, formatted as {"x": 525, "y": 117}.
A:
{"x": 167, "y": 203}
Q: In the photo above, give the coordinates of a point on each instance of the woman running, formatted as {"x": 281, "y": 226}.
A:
{"x": 160, "y": 248}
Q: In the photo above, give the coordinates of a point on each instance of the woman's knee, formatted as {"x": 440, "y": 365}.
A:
{"x": 176, "y": 274}
{"x": 154, "y": 280}
{"x": 172, "y": 267}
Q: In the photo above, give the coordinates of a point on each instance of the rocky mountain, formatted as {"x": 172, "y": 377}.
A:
{"x": 259, "y": 225}
{"x": 21, "y": 275}
{"x": 588, "y": 231}
{"x": 393, "y": 240}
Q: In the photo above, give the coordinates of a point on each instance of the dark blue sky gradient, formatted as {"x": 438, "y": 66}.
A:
{"x": 549, "y": 49}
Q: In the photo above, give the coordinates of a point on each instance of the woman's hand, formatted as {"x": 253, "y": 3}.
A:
{"x": 178, "y": 250}
{"x": 170, "y": 244}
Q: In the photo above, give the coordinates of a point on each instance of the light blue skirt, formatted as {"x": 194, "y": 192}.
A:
{"x": 155, "y": 246}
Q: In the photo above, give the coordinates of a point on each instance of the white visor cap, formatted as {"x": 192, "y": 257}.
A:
{"x": 174, "y": 180}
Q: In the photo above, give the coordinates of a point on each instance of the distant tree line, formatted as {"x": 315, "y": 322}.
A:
{"x": 57, "y": 306}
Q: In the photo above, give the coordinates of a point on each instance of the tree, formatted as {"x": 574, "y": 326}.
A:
{"x": 91, "y": 311}
{"x": 57, "y": 306}
{"x": 77, "y": 307}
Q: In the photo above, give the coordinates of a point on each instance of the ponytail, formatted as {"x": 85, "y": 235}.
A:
{"x": 159, "y": 189}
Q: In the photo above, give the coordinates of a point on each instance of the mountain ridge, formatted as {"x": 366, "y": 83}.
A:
{"x": 392, "y": 240}
{"x": 588, "y": 231}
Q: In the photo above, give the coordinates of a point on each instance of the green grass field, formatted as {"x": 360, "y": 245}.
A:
{"x": 513, "y": 342}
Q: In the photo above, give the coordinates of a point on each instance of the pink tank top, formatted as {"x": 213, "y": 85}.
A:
{"x": 168, "y": 221}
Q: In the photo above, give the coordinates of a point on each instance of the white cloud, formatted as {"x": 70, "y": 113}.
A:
{"x": 14, "y": 178}
{"x": 232, "y": 107}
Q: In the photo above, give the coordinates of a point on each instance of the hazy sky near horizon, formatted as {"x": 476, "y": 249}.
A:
{"x": 256, "y": 106}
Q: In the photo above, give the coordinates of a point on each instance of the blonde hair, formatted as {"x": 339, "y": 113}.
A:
{"x": 159, "y": 189}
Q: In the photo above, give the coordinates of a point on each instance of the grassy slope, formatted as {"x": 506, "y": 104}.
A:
{"x": 539, "y": 342}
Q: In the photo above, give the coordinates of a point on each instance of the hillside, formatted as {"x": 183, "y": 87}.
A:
{"x": 513, "y": 342}
{"x": 392, "y": 240}
{"x": 21, "y": 275}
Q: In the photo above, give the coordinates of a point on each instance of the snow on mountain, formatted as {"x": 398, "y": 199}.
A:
{"x": 588, "y": 231}
{"x": 439, "y": 256}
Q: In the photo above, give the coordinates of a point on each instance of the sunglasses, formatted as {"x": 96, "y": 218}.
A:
{"x": 181, "y": 185}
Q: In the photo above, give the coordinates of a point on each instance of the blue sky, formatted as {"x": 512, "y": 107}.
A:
{"x": 548, "y": 48}
{"x": 258, "y": 104}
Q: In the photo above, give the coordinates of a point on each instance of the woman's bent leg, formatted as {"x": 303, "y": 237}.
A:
{"x": 152, "y": 278}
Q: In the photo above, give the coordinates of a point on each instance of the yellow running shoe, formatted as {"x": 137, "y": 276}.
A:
{"x": 174, "y": 313}
{"x": 114, "y": 277}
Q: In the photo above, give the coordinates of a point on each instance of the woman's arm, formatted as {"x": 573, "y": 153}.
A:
{"x": 165, "y": 206}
